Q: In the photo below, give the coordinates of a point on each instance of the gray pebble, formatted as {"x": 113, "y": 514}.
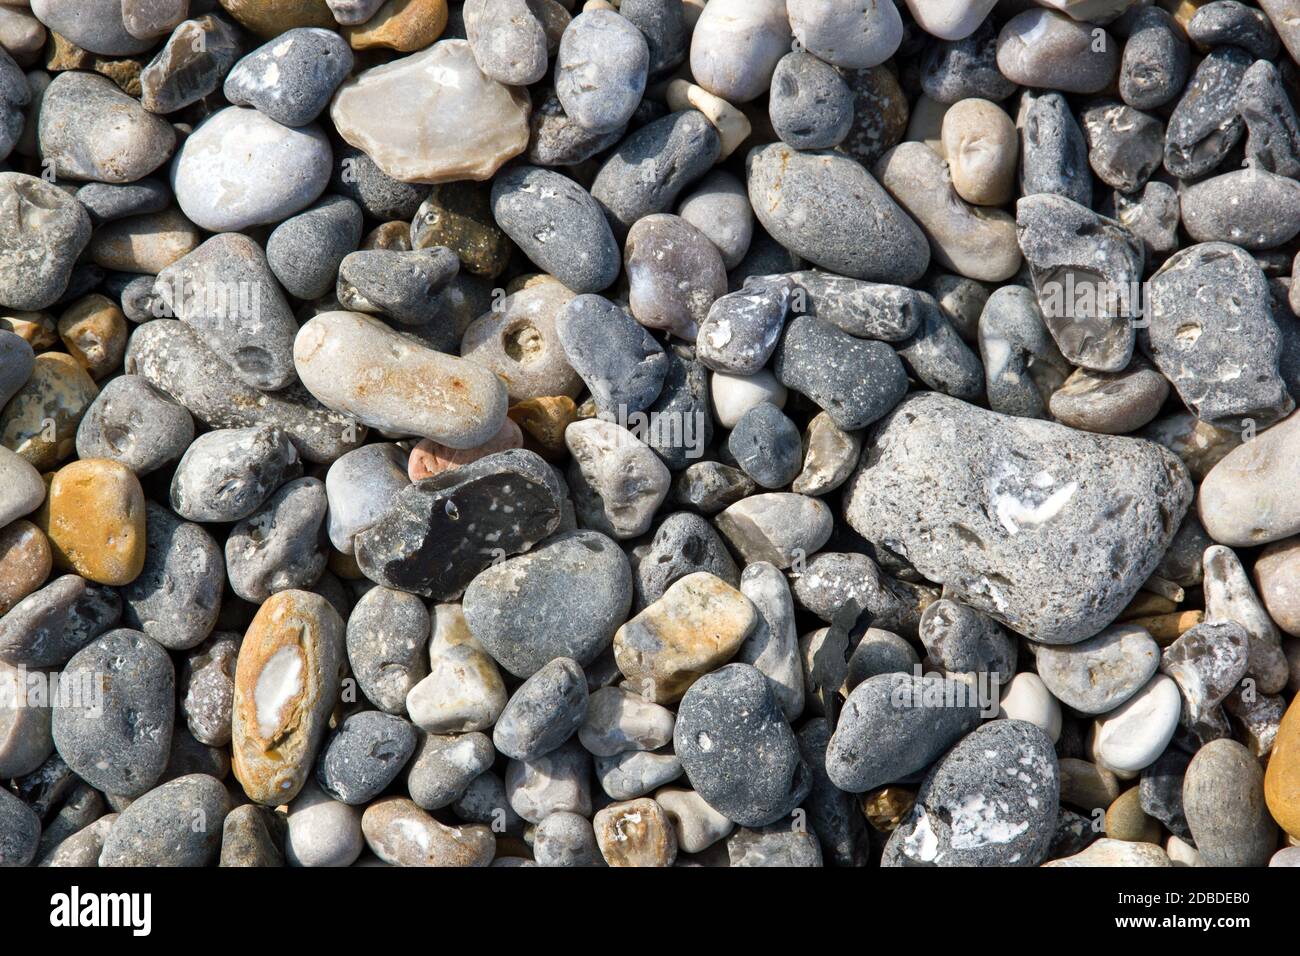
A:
{"x": 1252, "y": 208}
{"x": 601, "y": 69}
{"x": 356, "y": 176}
{"x": 1205, "y": 125}
{"x": 830, "y": 580}
{"x": 617, "y": 482}
{"x": 636, "y": 773}
{"x": 38, "y": 252}
{"x": 618, "y": 720}
{"x": 1272, "y": 127}
{"x": 1125, "y": 146}
{"x": 936, "y": 355}
{"x": 90, "y": 129}
{"x": 405, "y": 285}
{"x": 207, "y": 688}
{"x": 868, "y": 310}
{"x": 1223, "y": 798}
{"x": 737, "y": 749}
{"x": 48, "y": 626}
{"x": 329, "y": 231}
{"x": 443, "y": 767}
{"x": 767, "y": 446}
{"x": 94, "y": 25}
{"x": 1053, "y": 153}
{"x": 962, "y": 640}
{"x": 836, "y": 819}
{"x": 954, "y": 70}
{"x": 177, "y": 824}
{"x": 1153, "y": 69}
{"x": 1207, "y": 661}
{"x": 507, "y": 40}
{"x": 280, "y": 545}
{"x": 684, "y": 402}
{"x": 526, "y": 612}
{"x": 367, "y": 752}
{"x": 742, "y": 328}
{"x": 683, "y": 544}
{"x": 566, "y": 839}
{"x": 191, "y": 64}
{"x": 810, "y": 105}
{"x": 106, "y": 202}
{"x": 558, "y": 781}
{"x": 710, "y": 486}
{"x": 133, "y": 423}
{"x": 226, "y": 475}
{"x": 781, "y": 844}
{"x": 15, "y": 93}
{"x": 773, "y": 647}
{"x": 855, "y": 381}
{"x": 879, "y": 652}
{"x": 674, "y": 274}
{"x": 719, "y": 207}
{"x": 1022, "y": 364}
{"x": 253, "y": 835}
{"x": 387, "y": 642}
{"x": 618, "y": 359}
{"x": 360, "y": 486}
{"x": 544, "y": 712}
{"x": 292, "y": 77}
{"x": 663, "y": 24}
{"x": 1112, "y": 403}
{"x": 116, "y": 732}
{"x": 83, "y": 806}
{"x": 777, "y": 527}
{"x": 177, "y": 596}
{"x": 484, "y": 801}
{"x": 20, "y": 831}
{"x": 16, "y": 363}
{"x": 556, "y": 139}
{"x": 1228, "y": 23}
{"x": 1097, "y": 675}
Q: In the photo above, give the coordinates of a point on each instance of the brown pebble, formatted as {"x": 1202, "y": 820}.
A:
{"x": 429, "y": 457}
{"x": 1166, "y": 628}
{"x": 885, "y": 808}
{"x": 402, "y": 25}
{"x": 400, "y": 833}
{"x": 635, "y": 833}
{"x": 25, "y": 562}
{"x": 544, "y": 421}
{"x": 94, "y": 516}
{"x": 94, "y": 331}
{"x": 40, "y": 422}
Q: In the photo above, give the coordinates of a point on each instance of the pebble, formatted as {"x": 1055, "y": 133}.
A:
{"x": 1228, "y": 23}
{"x": 508, "y": 40}
{"x": 432, "y": 117}
{"x": 800, "y": 199}
{"x": 401, "y": 834}
{"x": 619, "y": 360}
{"x": 360, "y": 486}
{"x": 226, "y": 474}
{"x": 635, "y": 833}
{"x": 1272, "y": 128}
{"x": 53, "y": 623}
{"x": 459, "y": 216}
{"x": 1125, "y": 146}
{"x": 736, "y": 45}
{"x": 1099, "y": 674}
{"x": 963, "y": 640}
{"x": 403, "y": 284}
{"x": 1275, "y": 569}
{"x": 601, "y": 70}
{"x": 190, "y": 65}
{"x": 94, "y": 517}
{"x": 363, "y": 756}
{"x": 357, "y": 176}
{"x": 566, "y": 839}
{"x": 557, "y": 225}
{"x": 41, "y": 241}
{"x": 810, "y": 106}
{"x": 25, "y": 562}
{"x": 1042, "y": 48}
{"x": 1160, "y": 791}
{"x": 953, "y": 70}
{"x": 286, "y": 683}
{"x": 718, "y": 206}
{"x": 556, "y": 782}
{"x": 94, "y": 332}
{"x": 957, "y": 820}
{"x": 618, "y": 481}
{"x": 1110, "y": 403}
{"x": 1223, "y": 797}
{"x": 674, "y": 274}
{"x": 425, "y": 393}
{"x": 20, "y": 833}
{"x": 776, "y": 527}
{"x": 133, "y": 423}
{"x": 520, "y": 341}
{"x": 401, "y": 25}
{"x": 1053, "y": 152}
{"x": 1022, "y": 497}
{"x": 636, "y": 773}
{"x": 461, "y": 689}
{"x": 108, "y": 201}
{"x": 830, "y": 455}
{"x": 1204, "y": 125}
{"x": 146, "y": 243}
{"x": 291, "y": 78}
{"x": 1106, "y": 852}
{"x": 331, "y": 228}
{"x": 949, "y": 19}
{"x": 1155, "y": 62}
{"x": 618, "y": 720}
{"x": 1207, "y": 662}
{"x": 980, "y": 144}
{"x": 854, "y": 36}
{"x": 278, "y": 546}
{"x": 1229, "y": 597}
{"x": 1131, "y": 737}
{"x": 430, "y": 458}
{"x": 683, "y": 543}
{"x": 94, "y": 25}
{"x": 443, "y": 767}
{"x": 1252, "y": 208}
{"x": 179, "y": 823}
{"x": 767, "y": 446}
{"x": 736, "y": 748}
{"x": 546, "y": 710}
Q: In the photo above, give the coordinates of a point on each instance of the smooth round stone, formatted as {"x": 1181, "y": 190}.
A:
{"x": 635, "y": 833}
{"x": 25, "y": 563}
{"x": 803, "y": 201}
{"x": 322, "y": 831}
{"x": 1241, "y": 501}
{"x": 1112, "y": 403}
{"x": 402, "y": 834}
{"x": 955, "y": 70}
{"x": 1133, "y": 735}
{"x": 855, "y": 381}
{"x": 742, "y": 328}
{"x": 48, "y": 626}
{"x": 767, "y": 446}
{"x": 975, "y": 241}
{"x": 525, "y": 612}
{"x": 980, "y": 144}
{"x": 403, "y": 284}
{"x": 650, "y": 168}
{"x": 269, "y": 18}
{"x": 24, "y": 489}
{"x": 133, "y": 423}
{"x": 402, "y": 25}
{"x": 1230, "y": 23}
{"x": 268, "y": 171}
{"x": 810, "y": 107}
{"x": 519, "y": 341}
{"x": 286, "y": 685}
{"x": 1027, "y": 698}
{"x": 94, "y": 25}
{"x": 735, "y": 47}
{"x": 776, "y": 527}
{"x": 619, "y": 360}
{"x": 360, "y": 487}
{"x": 1023, "y": 365}
{"x": 1043, "y": 48}
{"x": 732, "y": 125}
{"x": 420, "y": 391}
{"x": 463, "y": 690}
{"x": 177, "y": 824}
{"x": 679, "y": 425}
{"x": 93, "y": 331}
{"x": 1155, "y": 63}
{"x": 330, "y": 230}
{"x": 879, "y": 652}
{"x": 278, "y": 546}
{"x": 433, "y": 116}
{"x": 291, "y": 78}
{"x": 894, "y": 725}
{"x": 1287, "y": 856}
{"x": 601, "y": 69}
{"x": 683, "y": 543}
{"x": 207, "y": 688}
{"x": 737, "y": 749}
{"x": 618, "y": 482}
{"x": 855, "y": 36}
{"x": 116, "y": 733}
{"x": 364, "y": 755}
{"x": 387, "y": 639}
{"x": 95, "y": 519}
{"x": 39, "y": 241}
{"x": 225, "y": 475}
{"x": 556, "y": 782}
{"x": 444, "y": 766}
{"x": 430, "y": 458}
{"x": 1251, "y": 208}
{"x": 107, "y": 202}
{"x": 719, "y": 207}
{"x": 147, "y": 243}
{"x": 1097, "y": 675}
{"x": 566, "y": 839}
{"x": 950, "y": 19}
{"x": 25, "y": 739}
{"x": 557, "y": 225}
{"x": 1223, "y": 797}
{"x": 1277, "y": 576}
{"x": 618, "y": 720}
{"x": 674, "y": 274}
{"x": 544, "y": 712}
{"x": 177, "y": 596}
{"x": 1115, "y": 853}
{"x": 21, "y": 34}
{"x": 508, "y": 40}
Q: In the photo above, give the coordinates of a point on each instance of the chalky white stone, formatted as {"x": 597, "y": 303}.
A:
{"x": 433, "y": 117}
{"x": 736, "y": 45}
{"x": 950, "y": 19}
{"x": 1133, "y": 735}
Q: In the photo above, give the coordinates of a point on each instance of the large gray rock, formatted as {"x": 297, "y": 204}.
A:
{"x": 42, "y": 232}
{"x": 1049, "y": 530}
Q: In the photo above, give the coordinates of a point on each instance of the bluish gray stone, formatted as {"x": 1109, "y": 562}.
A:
{"x": 508, "y": 41}
{"x": 279, "y": 546}
{"x": 226, "y": 475}
{"x": 546, "y": 710}
{"x": 16, "y": 363}
{"x": 663, "y": 24}
{"x": 742, "y": 328}
{"x": 1205, "y": 125}
{"x": 404, "y": 285}
{"x": 1228, "y": 23}
{"x": 177, "y": 596}
{"x": 38, "y": 248}
{"x": 48, "y": 626}
{"x": 292, "y": 77}
{"x": 388, "y": 646}
{"x": 953, "y": 70}
{"x": 936, "y": 355}
{"x": 90, "y": 129}
{"x": 1125, "y": 146}
{"x": 767, "y": 446}
{"x": 556, "y": 139}
{"x": 683, "y": 544}
{"x": 356, "y": 176}
{"x": 443, "y": 767}
{"x": 617, "y": 358}
{"x": 1154, "y": 66}
{"x": 635, "y": 773}
{"x": 106, "y": 202}
{"x": 361, "y": 486}
{"x": 601, "y": 69}
{"x": 177, "y": 824}
{"x": 962, "y": 640}
{"x": 810, "y": 105}
{"x": 133, "y": 423}
{"x": 868, "y": 310}
{"x": 1023, "y": 366}
{"x": 367, "y": 752}
{"x": 305, "y": 251}
{"x": 1053, "y": 154}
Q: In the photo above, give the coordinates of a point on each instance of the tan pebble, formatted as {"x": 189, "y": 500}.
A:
{"x": 635, "y": 833}
{"x": 518, "y": 340}
{"x": 1107, "y": 852}
{"x": 430, "y": 458}
{"x": 1277, "y": 576}
{"x": 94, "y": 516}
{"x": 40, "y": 422}
{"x": 981, "y": 146}
{"x": 1126, "y": 821}
{"x": 269, "y": 18}
{"x": 886, "y": 807}
{"x": 1146, "y": 604}
{"x": 732, "y": 125}
{"x": 1087, "y": 786}
{"x": 400, "y": 833}
{"x": 391, "y": 236}
{"x": 1166, "y": 628}
{"x": 286, "y": 684}
{"x": 696, "y": 627}
{"x": 544, "y": 421}
{"x": 94, "y": 332}
{"x": 145, "y": 244}
{"x": 25, "y": 562}
{"x": 402, "y": 25}
{"x": 1181, "y": 853}
{"x": 37, "y": 329}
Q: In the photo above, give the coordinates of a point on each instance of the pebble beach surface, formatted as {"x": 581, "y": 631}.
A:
{"x": 649, "y": 433}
